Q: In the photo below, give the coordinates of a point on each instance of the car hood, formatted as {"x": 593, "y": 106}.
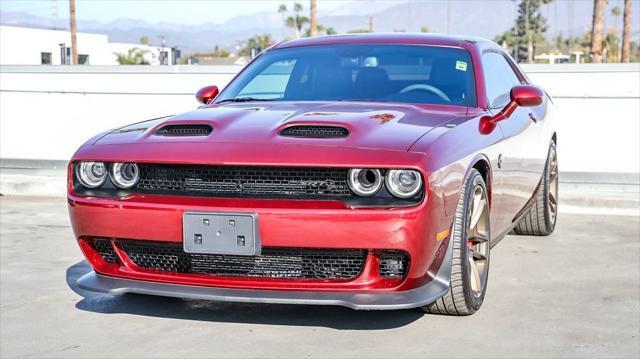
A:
{"x": 371, "y": 125}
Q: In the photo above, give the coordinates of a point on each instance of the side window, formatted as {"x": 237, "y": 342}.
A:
{"x": 499, "y": 79}
{"x": 270, "y": 83}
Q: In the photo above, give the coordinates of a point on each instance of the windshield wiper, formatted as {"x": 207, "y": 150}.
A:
{"x": 247, "y": 99}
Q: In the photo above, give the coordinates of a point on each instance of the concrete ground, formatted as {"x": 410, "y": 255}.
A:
{"x": 573, "y": 294}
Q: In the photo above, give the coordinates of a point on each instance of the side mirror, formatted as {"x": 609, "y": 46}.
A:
{"x": 527, "y": 95}
{"x": 521, "y": 95}
{"x": 206, "y": 94}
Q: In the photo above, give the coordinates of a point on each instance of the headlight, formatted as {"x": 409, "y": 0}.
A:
{"x": 125, "y": 175}
{"x": 365, "y": 181}
{"x": 91, "y": 174}
{"x": 403, "y": 183}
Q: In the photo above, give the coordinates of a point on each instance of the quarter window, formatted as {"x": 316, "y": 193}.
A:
{"x": 499, "y": 79}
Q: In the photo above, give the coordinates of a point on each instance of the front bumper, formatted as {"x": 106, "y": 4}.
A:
{"x": 413, "y": 298}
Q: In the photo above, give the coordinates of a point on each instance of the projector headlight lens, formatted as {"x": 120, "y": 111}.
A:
{"x": 91, "y": 174}
{"x": 403, "y": 183}
{"x": 125, "y": 175}
{"x": 365, "y": 181}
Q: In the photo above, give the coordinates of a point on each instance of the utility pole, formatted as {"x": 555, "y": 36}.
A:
{"x": 73, "y": 28}
{"x": 370, "y": 23}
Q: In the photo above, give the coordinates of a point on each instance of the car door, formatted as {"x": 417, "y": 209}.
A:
{"x": 517, "y": 168}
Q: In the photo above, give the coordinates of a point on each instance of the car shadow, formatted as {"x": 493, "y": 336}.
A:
{"x": 274, "y": 314}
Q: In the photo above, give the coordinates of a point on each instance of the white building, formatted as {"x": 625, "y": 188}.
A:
{"x": 30, "y": 46}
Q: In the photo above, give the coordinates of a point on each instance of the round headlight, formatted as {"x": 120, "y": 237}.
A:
{"x": 91, "y": 174}
{"x": 403, "y": 183}
{"x": 125, "y": 175}
{"x": 365, "y": 181}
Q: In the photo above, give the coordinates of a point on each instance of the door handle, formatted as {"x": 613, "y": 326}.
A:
{"x": 533, "y": 117}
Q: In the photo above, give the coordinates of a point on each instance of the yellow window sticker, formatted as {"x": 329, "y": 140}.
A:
{"x": 461, "y": 65}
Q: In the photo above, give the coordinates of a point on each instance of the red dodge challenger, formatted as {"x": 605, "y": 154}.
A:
{"x": 368, "y": 171}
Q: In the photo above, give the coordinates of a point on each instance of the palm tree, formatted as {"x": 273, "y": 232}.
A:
{"x": 256, "y": 44}
{"x": 73, "y": 28}
{"x": 616, "y": 12}
{"x": 282, "y": 10}
{"x": 597, "y": 30}
{"x": 296, "y": 21}
{"x": 626, "y": 32}
{"x": 313, "y": 24}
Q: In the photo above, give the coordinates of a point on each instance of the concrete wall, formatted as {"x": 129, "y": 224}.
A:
{"x": 46, "y": 112}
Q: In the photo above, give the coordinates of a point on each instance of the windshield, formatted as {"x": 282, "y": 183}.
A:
{"x": 398, "y": 73}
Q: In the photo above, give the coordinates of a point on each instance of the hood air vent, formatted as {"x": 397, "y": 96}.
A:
{"x": 184, "y": 130}
{"x": 307, "y": 131}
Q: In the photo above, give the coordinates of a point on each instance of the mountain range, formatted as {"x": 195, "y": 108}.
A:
{"x": 485, "y": 18}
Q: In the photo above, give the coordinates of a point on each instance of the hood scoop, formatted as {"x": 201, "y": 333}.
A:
{"x": 184, "y": 130}
{"x": 315, "y": 131}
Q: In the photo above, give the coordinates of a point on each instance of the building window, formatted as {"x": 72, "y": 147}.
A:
{"x": 163, "y": 58}
{"x": 65, "y": 55}
{"x": 83, "y": 59}
{"x": 45, "y": 58}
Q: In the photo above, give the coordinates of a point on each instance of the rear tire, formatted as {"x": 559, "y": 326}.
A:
{"x": 541, "y": 218}
{"x": 470, "y": 256}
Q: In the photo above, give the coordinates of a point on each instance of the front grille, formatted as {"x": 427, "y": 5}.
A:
{"x": 393, "y": 264}
{"x": 184, "y": 130}
{"x": 244, "y": 180}
{"x": 104, "y": 247}
{"x": 315, "y": 131}
{"x": 285, "y": 263}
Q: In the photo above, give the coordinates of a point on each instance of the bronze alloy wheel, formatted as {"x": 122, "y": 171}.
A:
{"x": 553, "y": 186}
{"x": 470, "y": 251}
{"x": 540, "y": 219}
{"x": 478, "y": 242}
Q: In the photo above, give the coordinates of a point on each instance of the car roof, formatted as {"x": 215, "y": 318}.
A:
{"x": 383, "y": 38}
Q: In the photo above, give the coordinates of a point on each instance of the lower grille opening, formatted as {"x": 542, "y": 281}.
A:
{"x": 393, "y": 264}
{"x": 104, "y": 247}
{"x": 284, "y": 263}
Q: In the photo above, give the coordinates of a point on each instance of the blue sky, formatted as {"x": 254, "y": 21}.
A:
{"x": 186, "y": 12}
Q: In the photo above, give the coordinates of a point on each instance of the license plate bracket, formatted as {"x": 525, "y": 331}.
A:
{"x": 221, "y": 233}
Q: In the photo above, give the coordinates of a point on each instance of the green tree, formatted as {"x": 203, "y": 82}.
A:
{"x": 358, "y": 31}
{"x": 424, "y": 28}
{"x": 611, "y": 46}
{"x": 134, "y": 56}
{"x": 321, "y": 29}
{"x": 256, "y": 44}
{"x": 144, "y": 40}
{"x": 616, "y": 12}
{"x": 218, "y": 52}
{"x": 527, "y": 33}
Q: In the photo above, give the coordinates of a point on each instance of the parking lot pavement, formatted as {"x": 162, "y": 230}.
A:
{"x": 574, "y": 294}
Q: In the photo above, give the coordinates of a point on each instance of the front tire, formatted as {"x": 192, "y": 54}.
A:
{"x": 540, "y": 219}
{"x": 471, "y": 249}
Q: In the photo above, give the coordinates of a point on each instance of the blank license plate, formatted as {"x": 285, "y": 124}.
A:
{"x": 220, "y": 233}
